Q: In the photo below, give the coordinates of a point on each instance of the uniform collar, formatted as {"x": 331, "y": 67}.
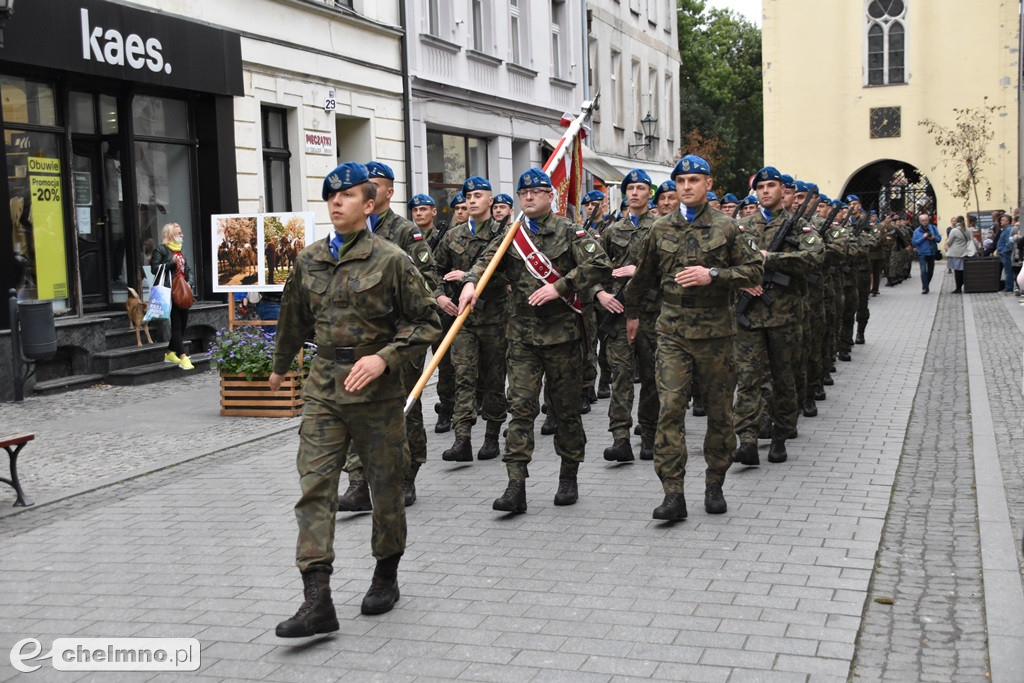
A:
{"x": 360, "y": 249}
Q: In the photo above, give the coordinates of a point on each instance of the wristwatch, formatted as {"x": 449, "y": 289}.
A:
{"x": 713, "y": 272}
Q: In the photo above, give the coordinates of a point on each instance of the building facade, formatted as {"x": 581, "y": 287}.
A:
{"x": 633, "y": 58}
{"x": 847, "y": 83}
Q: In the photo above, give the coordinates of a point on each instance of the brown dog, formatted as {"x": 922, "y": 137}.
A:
{"x": 136, "y": 312}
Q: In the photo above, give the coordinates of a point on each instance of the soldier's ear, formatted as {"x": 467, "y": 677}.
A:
{"x": 369, "y": 206}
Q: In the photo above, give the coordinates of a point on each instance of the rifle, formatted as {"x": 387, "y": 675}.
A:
{"x": 829, "y": 219}
{"x": 771, "y": 278}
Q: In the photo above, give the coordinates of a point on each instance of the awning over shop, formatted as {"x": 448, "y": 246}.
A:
{"x": 594, "y": 163}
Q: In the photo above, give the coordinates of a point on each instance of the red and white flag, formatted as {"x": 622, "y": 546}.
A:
{"x": 567, "y": 176}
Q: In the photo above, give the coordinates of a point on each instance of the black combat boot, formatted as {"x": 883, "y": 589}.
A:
{"x": 444, "y": 418}
{"x": 383, "y": 593}
{"x": 490, "y": 451}
{"x": 567, "y": 493}
{"x": 672, "y": 509}
{"x": 764, "y": 431}
{"x": 591, "y": 394}
{"x": 584, "y": 404}
{"x": 647, "y": 442}
{"x": 746, "y": 454}
{"x": 777, "y": 451}
{"x": 637, "y": 430}
{"x": 827, "y": 380}
{"x": 316, "y": 614}
{"x": 550, "y": 425}
{"x": 356, "y": 498}
{"x": 461, "y": 451}
{"x": 620, "y": 451}
{"x": 698, "y": 407}
{"x": 604, "y": 389}
{"x": 714, "y": 500}
{"x": 832, "y": 368}
{"x": 409, "y": 485}
{"x": 514, "y": 498}
{"x": 809, "y": 409}
{"x": 860, "y": 333}
{"x": 819, "y": 393}
{"x": 845, "y": 357}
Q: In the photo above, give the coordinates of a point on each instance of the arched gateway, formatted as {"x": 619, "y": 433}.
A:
{"x": 889, "y": 185}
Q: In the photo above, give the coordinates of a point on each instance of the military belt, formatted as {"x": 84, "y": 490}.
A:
{"x": 543, "y": 311}
{"x": 696, "y": 302}
{"x": 348, "y": 354}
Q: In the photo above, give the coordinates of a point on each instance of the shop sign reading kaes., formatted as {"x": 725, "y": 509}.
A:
{"x": 47, "y": 197}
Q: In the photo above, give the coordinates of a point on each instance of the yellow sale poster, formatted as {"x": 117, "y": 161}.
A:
{"x": 48, "y": 227}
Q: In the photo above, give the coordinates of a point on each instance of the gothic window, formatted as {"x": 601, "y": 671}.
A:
{"x": 885, "y": 26}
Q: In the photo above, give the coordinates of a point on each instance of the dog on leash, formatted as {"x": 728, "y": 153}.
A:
{"x": 136, "y": 314}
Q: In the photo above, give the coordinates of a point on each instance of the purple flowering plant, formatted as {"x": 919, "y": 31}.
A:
{"x": 249, "y": 350}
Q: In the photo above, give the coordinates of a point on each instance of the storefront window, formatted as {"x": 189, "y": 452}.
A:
{"x": 160, "y": 117}
{"x": 162, "y": 178}
{"x": 34, "y": 176}
{"x": 450, "y": 160}
{"x": 26, "y": 101}
{"x": 276, "y": 159}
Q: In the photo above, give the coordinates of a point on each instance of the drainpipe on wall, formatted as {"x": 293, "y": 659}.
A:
{"x": 1020, "y": 108}
{"x": 407, "y": 96}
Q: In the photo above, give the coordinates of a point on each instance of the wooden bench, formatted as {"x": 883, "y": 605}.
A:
{"x": 13, "y": 443}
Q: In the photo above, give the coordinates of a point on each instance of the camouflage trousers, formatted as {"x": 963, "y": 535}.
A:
{"x": 478, "y": 354}
{"x": 851, "y": 302}
{"x": 774, "y": 348}
{"x": 709, "y": 364}
{"x": 863, "y": 294}
{"x": 814, "y": 343}
{"x": 625, "y": 359}
{"x": 589, "y": 349}
{"x": 800, "y": 355}
{"x": 326, "y": 433}
{"x": 445, "y": 373}
{"x": 833, "y": 313}
{"x": 562, "y": 365}
{"x": 416, "y": 441}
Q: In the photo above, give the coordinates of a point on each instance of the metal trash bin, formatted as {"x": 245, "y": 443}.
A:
{"x": 982, "y": 274}
{"x": 38, "y": 331}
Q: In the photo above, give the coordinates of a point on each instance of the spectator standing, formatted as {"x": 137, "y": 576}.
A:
{"x": 926, "y": 241}
{"x": 957, "y": 243}
{"x": 1004, "y": 249}
{"x": 170, "y": 256}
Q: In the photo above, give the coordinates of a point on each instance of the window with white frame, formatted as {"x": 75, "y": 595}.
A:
{"x": 652, "y": 11}
{"x": 558, "y": 40}
{"x": 434, "y": 17}
{"x": 652, "y": 94}
{"x": 637, "y": 95}
{"x": 669, "y": 124}
{"x": 885, "y": 24}
{"x": 616, "y": 83}
{"x": 480, "y": 38}
{"x": 519, "y": 32}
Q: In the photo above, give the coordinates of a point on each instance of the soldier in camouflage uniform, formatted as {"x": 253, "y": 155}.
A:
{"x": 813, "y": 323}
{"x": 502, "y": 207}
{"x": 387, "y": 224}
{"x": 851, "y": 295}
{"x": 478, "y": 351}
{"x": 866, "y": 239}
{"x": 544, "y": 333}
{"x": 773, "y": 336}
{"x": 372, "y": 312}
{"x": 697, "y": 257}
{"x": 624, "y": 242}
{"x": 593, "y": 205}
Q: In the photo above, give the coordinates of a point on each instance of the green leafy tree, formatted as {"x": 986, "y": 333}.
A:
{"x": 720, "y": 90}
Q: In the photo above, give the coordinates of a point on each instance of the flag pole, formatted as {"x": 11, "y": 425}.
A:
{"x": 556, "y": 156}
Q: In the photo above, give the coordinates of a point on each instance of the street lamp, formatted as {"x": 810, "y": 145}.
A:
{"x": 647, "y": 123}
{"x": 6, "y": 10}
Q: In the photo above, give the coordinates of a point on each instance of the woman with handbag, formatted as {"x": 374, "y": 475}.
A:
{"x": 959, "y": 245}
{"x": 170, "y": 257}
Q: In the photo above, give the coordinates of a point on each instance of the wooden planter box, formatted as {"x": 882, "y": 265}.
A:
{"x": 240, "y": 397}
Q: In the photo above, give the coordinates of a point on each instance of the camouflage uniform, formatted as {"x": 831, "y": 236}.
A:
{"x": 624, "y": 244}
{"x": 851, "y": 292}
{"x": 877, "y": 255}
{"x": 814, "y": 316}
{"x": 369, "y": 301}
{"x": 545, "y": 340}
{"x": 695, "y": 333}
{"x": 866, "y": 241}
{"x": 478, "y": 350}
{"x": 407, "y": 236}
{"x": 773, "y": 339}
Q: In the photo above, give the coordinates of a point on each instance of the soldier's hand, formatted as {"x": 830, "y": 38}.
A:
{"x": 693, "y": 276}
{"x": 543, "y": 295}
{"x": 610, "y": 303}
{"x": 624, "y": 271}
{"x": 447, "y": 305}
{"x": 753, "y": 291}
{"x": 454, "y": 276}
{"x": 468, "y": 297}
{"x": 275, "y": 381}
{"x": 632, "y": 326}
{"x": 365, "y": 371}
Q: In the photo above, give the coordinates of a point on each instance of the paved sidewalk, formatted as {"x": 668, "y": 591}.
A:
{"x": 774, "y": 590}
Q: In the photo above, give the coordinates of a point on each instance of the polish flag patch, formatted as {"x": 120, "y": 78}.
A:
{"x": 417, "y": 237}
{"x": 581, "y": 233}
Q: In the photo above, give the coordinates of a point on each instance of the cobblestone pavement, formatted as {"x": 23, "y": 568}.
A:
{"x": 774, "y": 590}
{"x": 929, "y": 561}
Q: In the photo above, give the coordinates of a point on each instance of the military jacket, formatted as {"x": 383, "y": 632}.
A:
{"x": 624, "y": 244}
{"x": 712, "y": 240}
{"x": 407, "y": 236}
{"x": 460, "y": 249}
{"x": 795, "y": 260}
{"x": 371, "y": 300}
{"x": 582, "y": 263}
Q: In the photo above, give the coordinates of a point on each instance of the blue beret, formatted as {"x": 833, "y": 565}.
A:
{"x": 475, "y": 183}
{"x": 459, "y": 198}
{"x": 852, "y": 198}
{"x": 593, "y": 196}
{"x": 421, "y": 200}
{"x": 691, "y": 163}
{"x": 801, "y": 186}
{"x": 379, "y": 170}
{"x": 836, "y": 202}
{"x": 787, "y": 181}
{"x": 730, "y": 198}
{"x": 825, "y": 199}
{"x": 343, "y": 177}
{"x": 667, "y": 186}
{"x": 712, "y": 197}
{"x": 749, "y": 199}
{"x": 503, "y": 199}
{"x": 651, "y": 204}
{"x": 874, "y": 212}
{"x": 637, "y": 175}
{"x": 533, "y": 178}
{"x": 812, "y": 188}
{"x": 768, "y": 173}
{"x": 622, "y": 204}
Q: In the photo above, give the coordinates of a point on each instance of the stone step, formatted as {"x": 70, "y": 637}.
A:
{"x": 131, "y": 356}
{"x": 123, "y": 336}
{"x": 155, "y": 372}
{"x": 56, "y": 386}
